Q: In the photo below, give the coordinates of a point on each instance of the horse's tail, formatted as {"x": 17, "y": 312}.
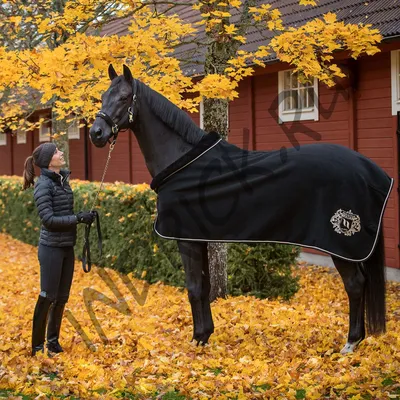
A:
{"x": 375, "y": 300}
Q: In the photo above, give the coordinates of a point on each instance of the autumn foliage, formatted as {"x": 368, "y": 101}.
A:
{"x": 260, "y": 349}
{"x": 54, "y": 56}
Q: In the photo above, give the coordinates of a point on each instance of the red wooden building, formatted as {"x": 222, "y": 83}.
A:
{"x": 275, "y": 110}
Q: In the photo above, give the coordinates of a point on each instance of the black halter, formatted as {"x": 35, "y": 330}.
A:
{"x": 116, "y": 126}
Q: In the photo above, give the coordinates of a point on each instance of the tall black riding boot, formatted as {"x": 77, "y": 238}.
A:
{"x": 53, "y": 327}
{"x": 40, "y": 316}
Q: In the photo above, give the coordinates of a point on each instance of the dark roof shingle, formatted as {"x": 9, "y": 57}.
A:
{"x": 381, "y": 14}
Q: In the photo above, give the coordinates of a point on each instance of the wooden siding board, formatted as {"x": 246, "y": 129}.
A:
{"x": 368, "y": 114}
{"x": 375, "y": 142}
{"x": 375, "y": 94}
{"x": 378, "y": 123}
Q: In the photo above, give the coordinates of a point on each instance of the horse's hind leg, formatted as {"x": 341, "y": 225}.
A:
{"x": 195, "y": 260}
{"x": 354, "y": 281}
{"x": 205, "y": 298}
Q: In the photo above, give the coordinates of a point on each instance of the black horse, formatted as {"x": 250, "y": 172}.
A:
{"x": 321, "y": 196}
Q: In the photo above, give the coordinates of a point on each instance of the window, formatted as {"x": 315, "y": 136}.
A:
{"x": 73, "y": 130}
{"x": 21, "y": 136}
{"x": 395, "y": 81}
{"x": 298, "y": 101}
{"x": 3, "y": 139}
{"x": 44, "y": 132}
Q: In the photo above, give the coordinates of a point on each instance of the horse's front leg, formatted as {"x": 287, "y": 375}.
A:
{"x": 194, "y": 256}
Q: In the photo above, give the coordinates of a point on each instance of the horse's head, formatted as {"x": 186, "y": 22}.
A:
{"x": 118, "y": 108}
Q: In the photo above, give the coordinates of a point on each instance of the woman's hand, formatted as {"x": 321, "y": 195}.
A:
{"x": 85, "y": 217}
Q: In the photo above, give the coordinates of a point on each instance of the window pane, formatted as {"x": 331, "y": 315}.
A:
{"x": 294, "y": 81}
{"x": 306, "y": 83}
{"x": 291, "y": 101}
{"x": 303, "y": 98}
{"x": 295, "y": 99}
{"x": 73, "y": 130}
{"x": 21, "y": 136}
{"x": 310, "y": 97}
{"x": 287, "y": 105}
{"x": 3, "y": 139}
{"x": 286, "y": 80}
{"x": 44, "y": 133}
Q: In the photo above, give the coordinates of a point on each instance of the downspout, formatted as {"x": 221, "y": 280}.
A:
{"x": 398, "y": 165}
{"x": 252, "y": 116}
{"x": 352, "y": 72}
{"x": 12, "y": 153}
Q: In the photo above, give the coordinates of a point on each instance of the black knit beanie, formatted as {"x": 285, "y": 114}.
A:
{"x": 45, "y": 154}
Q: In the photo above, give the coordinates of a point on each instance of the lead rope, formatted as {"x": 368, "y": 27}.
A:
{"x": 86, "y": 246}
{"x": 112, "y": 145}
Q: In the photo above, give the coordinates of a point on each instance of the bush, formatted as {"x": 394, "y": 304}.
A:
{"x": 127, "y": 214}
{"x": 262, "y": 270}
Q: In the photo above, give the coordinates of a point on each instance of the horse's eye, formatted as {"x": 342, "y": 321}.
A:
{"x": 123, "y": 98}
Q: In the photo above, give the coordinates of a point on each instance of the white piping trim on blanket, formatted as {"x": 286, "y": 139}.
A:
{"x": 194, "y": 159}
{"x": 291, "y": 243}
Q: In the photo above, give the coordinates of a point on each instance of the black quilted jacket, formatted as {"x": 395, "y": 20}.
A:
{"x": 55, "y": 204}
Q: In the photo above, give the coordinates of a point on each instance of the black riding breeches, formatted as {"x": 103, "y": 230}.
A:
{"x": 56, "y": 272}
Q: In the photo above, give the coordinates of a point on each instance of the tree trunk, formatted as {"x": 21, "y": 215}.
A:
{"x": 216, "y": 119}
{"x": 218, "y": 262}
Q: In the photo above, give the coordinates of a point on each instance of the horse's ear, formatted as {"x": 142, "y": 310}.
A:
{"x": 128, "y": 74}
{"x": 111, "y": 72}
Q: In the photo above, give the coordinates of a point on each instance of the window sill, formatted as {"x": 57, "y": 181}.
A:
{"x": 299, "y": 115}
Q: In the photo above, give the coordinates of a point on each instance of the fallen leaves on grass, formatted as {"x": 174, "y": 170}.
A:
{"x": 260, "y": 348}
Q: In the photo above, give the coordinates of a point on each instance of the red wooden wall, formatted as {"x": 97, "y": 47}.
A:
{"x": 126, "y": 163}
{"x": 360, "y": 119}
{"x": 376, "y": 137}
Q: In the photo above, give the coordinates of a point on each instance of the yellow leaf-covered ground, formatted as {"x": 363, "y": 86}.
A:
{"x": 260, "y": 348}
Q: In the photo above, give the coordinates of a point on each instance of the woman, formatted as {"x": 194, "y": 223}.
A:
{"x": 55, "y": 204}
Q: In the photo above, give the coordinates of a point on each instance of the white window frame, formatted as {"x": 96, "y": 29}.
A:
{"x": 73, "y": 130}
{"x": 395, "y": 68}
{"x": 300, "y": 114}
{"x": 3, "y": 139}
{"x": 21, "y": 136}
{"x": 44, "y": 132}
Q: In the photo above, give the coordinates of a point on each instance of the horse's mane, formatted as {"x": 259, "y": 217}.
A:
{"x": 171, "y": 115}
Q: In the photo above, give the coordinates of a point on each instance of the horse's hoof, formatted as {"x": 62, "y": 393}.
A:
{"x": 350, "y": 347}
{"x": 199, "y": 341}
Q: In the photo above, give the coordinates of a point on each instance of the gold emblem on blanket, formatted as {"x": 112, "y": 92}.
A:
{"x": 346, "y": 223}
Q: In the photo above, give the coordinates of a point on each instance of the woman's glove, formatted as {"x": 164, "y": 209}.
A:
{"x": 85, "y": 217}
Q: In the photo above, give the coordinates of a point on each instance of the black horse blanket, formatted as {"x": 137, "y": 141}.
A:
{"x": 322, "y": 196}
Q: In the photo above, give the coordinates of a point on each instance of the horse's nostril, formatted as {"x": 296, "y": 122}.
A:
{"x": 98, "y": 132}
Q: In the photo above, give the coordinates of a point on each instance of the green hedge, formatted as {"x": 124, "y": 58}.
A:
{"x": 127, "y": 215}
